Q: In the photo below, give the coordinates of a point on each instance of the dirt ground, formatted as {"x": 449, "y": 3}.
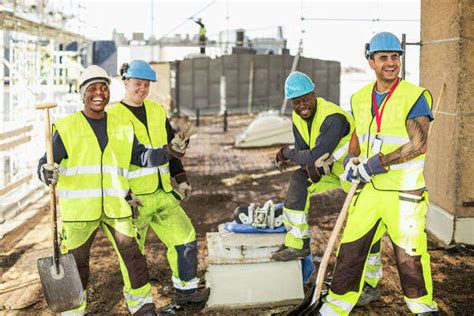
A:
{"x": 213, "y": 165}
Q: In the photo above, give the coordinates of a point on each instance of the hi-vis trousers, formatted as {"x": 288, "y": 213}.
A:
{"x": 373, "y": 213}
{"x": 77, "y": 238}
{"x": 162, "y": 212}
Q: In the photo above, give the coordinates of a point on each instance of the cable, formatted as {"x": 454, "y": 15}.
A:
{"x": 185, "y": 21}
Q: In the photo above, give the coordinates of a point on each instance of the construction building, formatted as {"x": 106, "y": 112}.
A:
{"x": 42, "y": 53}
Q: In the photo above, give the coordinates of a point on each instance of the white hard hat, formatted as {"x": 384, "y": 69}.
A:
{"x": 91, "y": 75}
{"x": 93, "y": 72}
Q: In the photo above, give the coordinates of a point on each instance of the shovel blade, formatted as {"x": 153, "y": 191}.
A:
{"x": 62, "y": 291}
{"x": 305, "y": 307}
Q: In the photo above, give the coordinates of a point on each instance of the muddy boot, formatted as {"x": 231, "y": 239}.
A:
{"x": 287, "y": 254}
{"x": 197, "y": 296}
{"x": 369, "y": 294}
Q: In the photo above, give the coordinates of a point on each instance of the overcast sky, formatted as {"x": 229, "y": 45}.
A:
{"x": 332, "y": 40}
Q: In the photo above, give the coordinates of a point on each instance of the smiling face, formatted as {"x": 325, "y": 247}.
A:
{"x": 137, "y": 90}
{"x": 305, "y": 105}
{"x": 386, "y": 66}
{"x": 96, "y": 97}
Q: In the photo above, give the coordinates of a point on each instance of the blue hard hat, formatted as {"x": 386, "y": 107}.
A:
{"x": 139, "y": 69}
{"x": 383, "y": 42}
{"x": 297, "y": 84}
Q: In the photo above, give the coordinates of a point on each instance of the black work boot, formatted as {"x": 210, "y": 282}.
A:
{"x": 288, "y": 254}
{"x": 191, "y": 296}
{"x": 369, "y": 294}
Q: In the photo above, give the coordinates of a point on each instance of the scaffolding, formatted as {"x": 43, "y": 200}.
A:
{"x": 35, "y": 66}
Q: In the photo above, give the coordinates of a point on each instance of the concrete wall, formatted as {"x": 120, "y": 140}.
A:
{"x": 447, "y": 35}
{"x": 200, "y": 80}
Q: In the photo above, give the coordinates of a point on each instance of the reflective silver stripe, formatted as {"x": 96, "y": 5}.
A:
{"x": 185, "y": 285}
{"x": 374, "y": 260}
{"x": 296, "y": 218}
{"x": 341, "y": 151}
{"x": 327, "y": 310}
{"x": 94, "y": 169}
{"x": 139, "y": 299}
{"x": 395, "y": 140}
{"x": 149, "y": 146}
{"x": 164, "y": 169}
{"x": 413, "y": 164}
{"x": 363, "y": 138}
{"x": 295, "y": 231}
{"x": 74, "y": 313}
{"x": 373, "y": 274}
{"x": 91, "y": 193}
{"x": 339, "y": 303}
{"x": 142, "y": 172}
{"x": 134, "y": 309}
{"x": 416, "y": 307}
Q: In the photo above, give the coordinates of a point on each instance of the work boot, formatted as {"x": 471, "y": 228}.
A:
{"x": 287, "y": 254}
{"x": 197, "y": 296}
{"x": 369, "y": 294}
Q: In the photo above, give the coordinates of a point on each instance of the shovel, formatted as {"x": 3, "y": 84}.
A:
{"x": 62, "y": 287}
{"x": 312, "y": 300}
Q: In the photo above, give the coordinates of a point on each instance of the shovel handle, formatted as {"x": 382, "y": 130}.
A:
{"x": 332, "y": 241}
{"x": 52, "y": 188}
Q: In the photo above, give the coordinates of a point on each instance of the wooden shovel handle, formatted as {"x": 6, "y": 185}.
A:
{"x": 52, "y": 188}
{"x": 332, "y": 241}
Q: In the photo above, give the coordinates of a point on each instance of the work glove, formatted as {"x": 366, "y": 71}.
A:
{"x": 178, "y": 145}
{"x": 281, "y": 160}
{"x": 185, "y": 189}
{"x": 134, "y": 203}
{"x": 350, "y": 168}
{"x": 367, "y": 168}
{"x": 49, "y": 173}
{"x": 322, "y": 166}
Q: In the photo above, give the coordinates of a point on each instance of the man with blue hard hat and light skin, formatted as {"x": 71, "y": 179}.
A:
{"x": 152, "y": 193}
{"x": 386, "y": 154}
{"x": 322, "y": 131}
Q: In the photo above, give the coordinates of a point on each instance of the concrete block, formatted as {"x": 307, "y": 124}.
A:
{"x": 464, "y": 231}
{"x": 440, "y": 223}
{"x": 254, "y": 285}
{"x": 241, "y": 273}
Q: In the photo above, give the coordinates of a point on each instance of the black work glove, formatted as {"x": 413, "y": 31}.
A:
{"x": 49, "y": 173}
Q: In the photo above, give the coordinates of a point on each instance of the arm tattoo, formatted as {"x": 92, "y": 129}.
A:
{"x": 417, "y": 129}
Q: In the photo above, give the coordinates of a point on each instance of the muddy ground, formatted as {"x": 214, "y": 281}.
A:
{"x": 248, "y": 177}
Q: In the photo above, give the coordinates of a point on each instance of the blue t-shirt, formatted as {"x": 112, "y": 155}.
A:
{"x": 420, "y": 108}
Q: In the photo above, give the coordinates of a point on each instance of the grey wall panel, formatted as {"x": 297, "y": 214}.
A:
{"x": 201, "y": 83}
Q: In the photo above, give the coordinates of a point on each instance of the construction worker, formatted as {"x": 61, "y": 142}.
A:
{"x": 322, "y": 131}
{"x": 387, "y": 153}
{"x": 202, "y": 35}
{"x": 92, "y": 154}
{"x": 152, "y": 186}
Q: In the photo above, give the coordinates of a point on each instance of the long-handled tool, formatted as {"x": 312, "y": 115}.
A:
{"x": 308, "y": 306}
{"x": 59, "y": 276}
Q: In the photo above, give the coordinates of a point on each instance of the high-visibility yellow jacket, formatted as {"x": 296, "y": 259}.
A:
{"x": 406, "y": 176}
{"x": 92, "y": 182}
{"x": 323, "y": 110}
{"x": 147, "y": 180}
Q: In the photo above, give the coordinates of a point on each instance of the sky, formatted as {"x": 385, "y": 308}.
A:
{"x": 331, "y": 40}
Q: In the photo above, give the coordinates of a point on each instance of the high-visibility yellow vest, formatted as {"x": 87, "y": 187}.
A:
{"x": 147, "y": 180}
{"x": 92, "y": 182}
{"x": 323, "y": 110}
{"x": 202, "y": 31}
{"x": 406, "y": 176}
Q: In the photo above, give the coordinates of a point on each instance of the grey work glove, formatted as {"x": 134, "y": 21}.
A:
{"x": 322, "y": 166}
{"x": 350, "y": 168}
{"x": 178, "y": 145}
{"x": 49, "y": 173}
{"x": 134, "y": 203}
{"x": 185, "y": 189}
{"x": 281, "y": 161}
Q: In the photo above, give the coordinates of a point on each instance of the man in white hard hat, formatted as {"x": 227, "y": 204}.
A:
{"x": 93, "y": 150}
